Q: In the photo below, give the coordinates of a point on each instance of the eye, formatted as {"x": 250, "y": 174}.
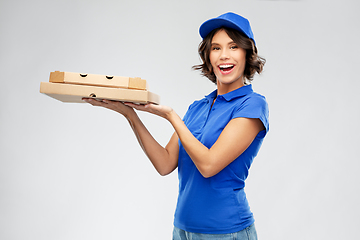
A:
{"x": 215, "y": 48}
{"x": 234, "y": 47}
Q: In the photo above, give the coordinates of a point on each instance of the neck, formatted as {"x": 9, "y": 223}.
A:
{"x": 226, "y": 88}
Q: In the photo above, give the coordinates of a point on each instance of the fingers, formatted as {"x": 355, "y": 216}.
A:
{"x": 94, "y": 102}
{"x": 113, "y": 105}
{"x": 159, "y": 110}
{"x": 102, "y": 102}
{"x": 124, "y": 107}
{"x": 140, "y": 107}
{"x": 153, "y": 107}
{"x": 127, "y": 108}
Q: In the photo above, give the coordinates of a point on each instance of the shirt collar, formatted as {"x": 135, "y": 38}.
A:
{"x": 212, "y": 95}
{"x": 242, "y": 91}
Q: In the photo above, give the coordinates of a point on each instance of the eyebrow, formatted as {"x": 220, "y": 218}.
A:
{"x": 214, "y": 43}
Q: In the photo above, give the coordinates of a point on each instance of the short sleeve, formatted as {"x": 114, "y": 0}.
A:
{"x": 255, "y": 106}
{"x": 188, "y": 112}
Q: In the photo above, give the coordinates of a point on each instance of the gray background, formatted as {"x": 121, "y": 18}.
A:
{"x": 73, "y": 171}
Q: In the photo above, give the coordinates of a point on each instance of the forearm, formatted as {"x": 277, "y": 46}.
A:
{"x": 162, "y": 160}
{"x": 232, "y": 142}
{"x": 199, "y": 153}
{"x": 234, "y": 139}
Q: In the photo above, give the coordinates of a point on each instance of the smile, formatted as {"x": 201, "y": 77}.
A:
{"x": 226, "y": 68}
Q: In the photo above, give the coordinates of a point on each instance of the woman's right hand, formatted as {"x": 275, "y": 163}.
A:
{"x": 112, "y": 105}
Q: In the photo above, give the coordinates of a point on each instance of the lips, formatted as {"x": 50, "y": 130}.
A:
{"x": 226, "y": 68}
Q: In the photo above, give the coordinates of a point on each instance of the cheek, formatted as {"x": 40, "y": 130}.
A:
{"x": 242, "y": 62}
{"x": 243, "y": 65}
{"x": 214, "y": 58}
{"x": 211, "y": 58}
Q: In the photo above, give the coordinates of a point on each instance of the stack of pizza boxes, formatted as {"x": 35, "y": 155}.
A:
{"x": 72, "y": 87}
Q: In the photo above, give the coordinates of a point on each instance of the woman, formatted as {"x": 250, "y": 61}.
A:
{"x": 214, "y": 145}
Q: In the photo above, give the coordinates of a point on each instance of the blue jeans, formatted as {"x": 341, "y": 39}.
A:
{"x": 248, "y": 233}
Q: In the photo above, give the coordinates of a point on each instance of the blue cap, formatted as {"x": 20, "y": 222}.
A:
{"x": 230, "y": 20}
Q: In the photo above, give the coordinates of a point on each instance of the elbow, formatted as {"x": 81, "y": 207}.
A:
{"x": 207, "y": 171}
{"x": 164, "y": 172}
{"x": 207, "y": 175}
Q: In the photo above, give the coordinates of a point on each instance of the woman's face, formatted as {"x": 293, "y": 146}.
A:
{"x": 227, "y": 60}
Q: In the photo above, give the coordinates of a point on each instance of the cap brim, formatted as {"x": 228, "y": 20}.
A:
{"x": 212, "y": 24}
{"x": 215, "y": 23}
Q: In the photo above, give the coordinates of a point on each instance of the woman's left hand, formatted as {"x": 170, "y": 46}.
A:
{"x": 160, "y": 110}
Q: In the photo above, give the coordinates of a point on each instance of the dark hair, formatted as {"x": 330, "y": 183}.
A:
{"x": 254, "y": 63}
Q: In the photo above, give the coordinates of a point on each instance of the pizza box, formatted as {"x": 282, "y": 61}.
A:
{"x": 74, "y": 93}
{"x": 98, "y": 80}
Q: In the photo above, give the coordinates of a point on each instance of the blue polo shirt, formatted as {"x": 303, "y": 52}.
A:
{"x": 218, "y": 205}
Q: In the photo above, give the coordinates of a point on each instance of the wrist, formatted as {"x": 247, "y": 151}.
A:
{"x": 172, "y": 116}
{"x": 131, "y": 115}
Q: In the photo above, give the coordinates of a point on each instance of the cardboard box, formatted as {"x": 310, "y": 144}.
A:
{"x": 74, "y": 93}
{"x": 72, "y": 87}
{"x": 98, "y": 80}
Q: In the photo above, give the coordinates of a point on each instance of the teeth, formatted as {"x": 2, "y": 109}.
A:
{"x": 226, "y": 66}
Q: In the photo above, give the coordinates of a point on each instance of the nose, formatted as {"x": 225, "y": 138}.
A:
{"x": 224, "y": 54}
